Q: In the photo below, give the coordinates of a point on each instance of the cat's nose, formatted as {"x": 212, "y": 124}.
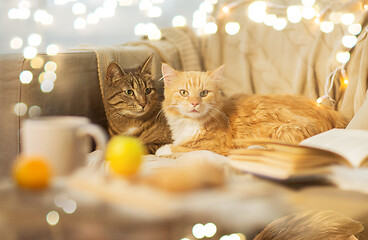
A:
{"x": 143, "y": 104}
{"x": 194, "y": 104}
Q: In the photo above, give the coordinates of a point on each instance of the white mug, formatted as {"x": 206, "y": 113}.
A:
{"x": 63, "y": 140}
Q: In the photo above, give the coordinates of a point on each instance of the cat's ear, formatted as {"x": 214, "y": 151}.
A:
{"x": 114, "y": 72}
{"x": 169, "y": 74}
{"x": 146, "y": 68}
{"x": 217, "y": 73}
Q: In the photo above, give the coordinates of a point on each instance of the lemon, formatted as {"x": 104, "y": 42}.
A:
{"x": 32, "y": 172}
{"x": 124, "y": 154}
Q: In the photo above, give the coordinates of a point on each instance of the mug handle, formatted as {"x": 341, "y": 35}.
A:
{"x": 100, "y": 137}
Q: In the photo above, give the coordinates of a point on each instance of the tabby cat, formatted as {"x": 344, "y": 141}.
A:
{"x": 134, "y": 104}
{"x": 202, "y": 118}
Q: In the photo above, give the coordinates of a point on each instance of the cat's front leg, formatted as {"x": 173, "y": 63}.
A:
{"x": 164, "y": 150}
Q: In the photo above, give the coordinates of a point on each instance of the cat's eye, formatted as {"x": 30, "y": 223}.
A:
{"x": 204, "y": 93}
{"x": 148, "y": 91}
{"x": 184, "y": 93}
{"x": 129, "y": 92}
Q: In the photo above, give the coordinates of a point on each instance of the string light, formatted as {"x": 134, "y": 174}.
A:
{"x": 34, "y": 39}
{"x": 349, "y": 41}
{"x": 179, "y": 21}
{"x": 257, "y": 11}
{"x": 52, "y": 50}
{"x": 294, "y": 14}
{"x": 16, "y": 43}
{"x": 25, "y": 77}
{"x": 232, "y": 28}
{"x": 29, "y": 52}
{"x": 20, "y": 109}
{"x": 355, "y": 29}
{"x": 343, "y": 57}
{"x": 280, "y": 24}
{"x": 327, "y": 26}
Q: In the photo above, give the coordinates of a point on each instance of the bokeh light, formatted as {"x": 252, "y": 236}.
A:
{"x": 16, "y": 43}
{"x": 294, "y": 14}
{"x": 50, "y": 66}
{"x": 349, "y": 41}
{"x": 47, "y": 86}
{"x": 347, "y": 18}
{"x": 25, "y": 77}
{"x": 257, "y": 11}
{"x": 52, "y": 49}
{"x": 30, "y": 52}
{"x": 179, "y": 21}
{"x": 327, "y": 26}
{"x": 79, "y": 8}
{"x": 20, "y": 109}
{"x": 34, "y": 39}
{"x": 355, "y": 29}
{"x": 34, "y": 111}
{"x": 37, "y": 62}
{"x": 198, "y": 231}
{"x": 232, "y": 28}
{"x": 343, "y": 57}
{"x": 52, "y": 218}
{"x": 80, "y": 23}
{"x": 210, "y": 230}
{"x": 280, "y": 24}
{"x": 210, "y": 28}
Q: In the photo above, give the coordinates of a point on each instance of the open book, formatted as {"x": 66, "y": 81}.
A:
{"x": 313, "y": 157}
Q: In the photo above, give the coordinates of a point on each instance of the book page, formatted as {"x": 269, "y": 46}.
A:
{"x": 349, "y": 143}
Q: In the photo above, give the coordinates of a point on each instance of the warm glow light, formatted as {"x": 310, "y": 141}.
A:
{"x": 43, "y": 17}
{"x": 50, "y": 76}
{"x": 153, "y": 32}
{"x": 327, "y": 26}
{"x": 125, "y": 3}
{"x": 210, "y": 230}
{"x": 70, "y": 206}
{"x": 206, "y": 7}
{"x": 41, "y": 77}
{"x": 145, "y": 5}
{"x": 37, "y": 62}
{"x": 24, "y": 13}
{"x": 308, "y": 3}
{"x": 335, "y": 17}
{"x": 13, "y": 13}
{"x": 154, "y": 12}
{"x": 34, "y": 111}
{"x": 257, "y": 11}
{"x": 210, "y": 28}
{"x": 294, "y": 14}
{"x": 140, "y": 29}
{"x": 30, "y": 52}
{"x": 50, "y": 66}
{"x": 25, "y": 77}
{"x": 80, "y": 23}
{"x": 349, "y": 41}
{"x": 280, "y": 24}
{"x": 24, "y": 4}
{"x": 198, "y": 231}
{"x": 34, "y": 39}
{"x": 270, "y": 20}
{"x": 16, "y": 43}
{"x": 308, "y": 13}
{"x": 92, "y": 18}
{"x": 79, "y": 8}
{"x": 355, "y": 29}
{"x": 232, "y": 28}
{"x": 347, "y": 18}
{"x": 52, "y": 50}
{"x": 20, "y": 109}
{"x": 179, "y": 21}
{"x": 343, "y": 57}
{"x": 60, "y": 2}
{"x": 199, "y": 19}
{"x": 226, "y": 9}
{"x": 47, "y": 86}
{"x": 52, "y": 218}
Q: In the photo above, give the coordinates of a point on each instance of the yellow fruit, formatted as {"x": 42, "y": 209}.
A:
{"x": 32, "y": 172}
{"x": 124, "y": 154}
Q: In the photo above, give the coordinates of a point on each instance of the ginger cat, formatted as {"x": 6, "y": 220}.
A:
{"x": 202, "y": 118}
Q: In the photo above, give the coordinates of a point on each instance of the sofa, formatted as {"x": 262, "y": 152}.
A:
{"x": 258, "y": 59}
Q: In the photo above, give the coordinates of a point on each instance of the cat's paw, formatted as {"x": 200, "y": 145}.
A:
{"x": 164, "y": 150}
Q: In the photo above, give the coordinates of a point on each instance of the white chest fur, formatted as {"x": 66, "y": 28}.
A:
{"x": 183, "y": 129}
